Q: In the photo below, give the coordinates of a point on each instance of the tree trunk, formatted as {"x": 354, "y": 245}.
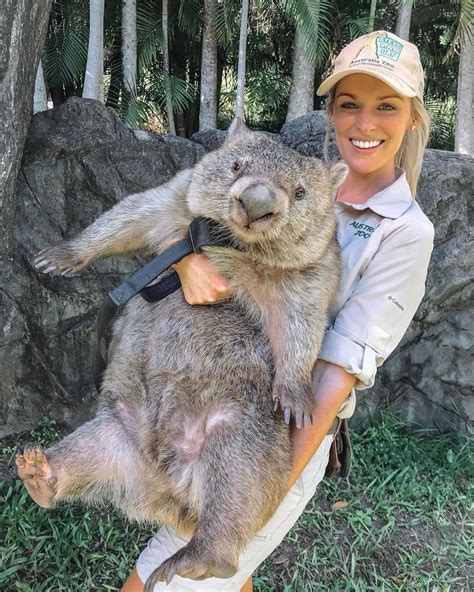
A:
{"x": 208, "y": 99}
{"x": 166, "y": 68}
{"x": 94, "y": 78}
{"x": 40, "y": 98}
{"x": 373, "y": 5}
{"x": 402, "y": 28}
{"x": 302, "y": 82}
{"x": 464, "y": 139}
{"x": 239, "y": 109}
{"x": 129, "y": 46}
{"x": 23, "y": 27}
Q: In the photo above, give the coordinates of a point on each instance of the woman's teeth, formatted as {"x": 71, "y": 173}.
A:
{"x": 360, "y": 144}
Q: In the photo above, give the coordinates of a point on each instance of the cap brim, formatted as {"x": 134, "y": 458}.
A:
{"x": 398, "y": 85}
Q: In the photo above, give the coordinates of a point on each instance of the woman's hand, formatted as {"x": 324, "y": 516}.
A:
{"x": 200, "y": 281}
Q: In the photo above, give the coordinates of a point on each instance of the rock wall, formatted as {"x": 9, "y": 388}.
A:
{"x": 80, "y": 159}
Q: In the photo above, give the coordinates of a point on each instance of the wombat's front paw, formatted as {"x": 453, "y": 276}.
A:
{"x": 62, "y": 257}
{"x": 35, "y": 472}
{"x": 189, "y": 562}
{"x": 296, "y": 400}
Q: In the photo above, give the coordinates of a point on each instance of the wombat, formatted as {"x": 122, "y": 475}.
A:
{"x": 187, "y": 432}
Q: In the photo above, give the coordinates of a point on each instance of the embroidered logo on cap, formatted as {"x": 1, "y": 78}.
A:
{"x": 388, "y": 47}
{"x": 382, "y": 46}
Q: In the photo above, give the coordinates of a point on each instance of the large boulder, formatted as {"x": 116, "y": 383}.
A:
{"x": 428, "y": 379}
{"x": 79, "y": 160}
{"x": 309, "y": 133}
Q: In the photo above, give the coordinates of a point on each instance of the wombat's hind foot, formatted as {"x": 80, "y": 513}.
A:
{"x": 189, "y": 563}
{"x": 35, "y": 472}
{"x": 298, "y": 401}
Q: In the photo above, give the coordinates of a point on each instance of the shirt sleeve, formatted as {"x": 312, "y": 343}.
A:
{"x": 375, "y": 317}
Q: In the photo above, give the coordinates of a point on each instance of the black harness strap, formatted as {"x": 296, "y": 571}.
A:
{"x": 202, "y": 232}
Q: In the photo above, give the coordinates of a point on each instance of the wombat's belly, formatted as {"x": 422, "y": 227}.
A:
{"x": 182, "y": 375}
{"x": 179, "y": 364}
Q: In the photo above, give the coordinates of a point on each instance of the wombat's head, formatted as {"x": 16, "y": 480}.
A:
{"x": 262, "y": 191}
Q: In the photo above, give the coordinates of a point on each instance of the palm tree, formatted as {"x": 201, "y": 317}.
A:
{"x": 129, "y": 46}
{"x": 166, "y": 68}
{"x": 40, "y": 98}
{"x": 208, "y": 99}
{"x": 94, "y": 77}
{"x": 302, "y": 87}
{"x": 402, "y": 28}
{"x": 464, "y": 138}
{"x": 239, "y": 109}
{"x": 311, "y": 48}
{"x": 373, "y": 6}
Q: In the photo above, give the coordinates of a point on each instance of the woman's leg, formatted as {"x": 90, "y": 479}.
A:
{"x": 134, "y": 584}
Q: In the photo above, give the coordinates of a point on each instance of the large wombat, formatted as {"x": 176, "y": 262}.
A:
{"x": 186, "y": 432}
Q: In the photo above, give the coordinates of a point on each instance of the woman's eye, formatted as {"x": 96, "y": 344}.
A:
{"x": 348, "y": 106}
{"x": 386, "y": 107}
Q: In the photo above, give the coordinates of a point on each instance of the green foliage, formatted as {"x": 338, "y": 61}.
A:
{"x": 314, "y": 20}
{"x": 65, "y": 50}
{"x": 438, "y": 29}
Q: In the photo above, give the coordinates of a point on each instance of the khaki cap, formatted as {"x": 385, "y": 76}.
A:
{"x": 385, "y": 56}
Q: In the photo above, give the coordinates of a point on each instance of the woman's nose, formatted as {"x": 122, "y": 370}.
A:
{"x": 365, "y": 121}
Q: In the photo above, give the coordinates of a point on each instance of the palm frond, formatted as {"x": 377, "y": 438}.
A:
{"x": 465, "y": 27}
{"x": 227, "y": 21}
{"x": 149, "y": 34}
{"x": 181, "y": 91}
{"x": 443, "y": 122}
{"x": 190, "y": 16}
{"x": 313, "y": 17}
{"x": 65, "y": 50}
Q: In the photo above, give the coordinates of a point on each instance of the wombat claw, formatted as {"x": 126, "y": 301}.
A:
{"x": 302, "y": 418}
{"x": 61, "y": 258}
{"x": 182, "y": 564}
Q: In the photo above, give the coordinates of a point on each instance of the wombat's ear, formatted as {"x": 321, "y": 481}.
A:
{"x": 237, "y": 128}
{"x": 338, "y": 172}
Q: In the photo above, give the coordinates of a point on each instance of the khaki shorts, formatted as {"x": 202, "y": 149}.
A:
{"x": 166, "y": 541}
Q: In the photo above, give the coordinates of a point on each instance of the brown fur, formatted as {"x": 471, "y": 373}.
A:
{"x": 186, "y": 433}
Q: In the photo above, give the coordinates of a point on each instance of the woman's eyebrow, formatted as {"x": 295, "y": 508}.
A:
{"x": 390, "y": 97}
{"x": 353, "y": 97}
{"x": 345, "y": 94}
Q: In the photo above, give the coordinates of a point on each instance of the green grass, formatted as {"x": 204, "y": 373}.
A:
{"x": 407, "y": 527}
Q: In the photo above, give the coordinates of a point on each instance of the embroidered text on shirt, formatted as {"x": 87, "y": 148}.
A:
{"x": 395, "y": 301}
{"x": 362, "y": 230}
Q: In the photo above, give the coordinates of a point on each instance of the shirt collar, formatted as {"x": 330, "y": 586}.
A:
{"x": 390, "y": 202}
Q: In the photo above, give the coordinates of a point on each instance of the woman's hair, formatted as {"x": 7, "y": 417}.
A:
{"x": 410, "y": 154}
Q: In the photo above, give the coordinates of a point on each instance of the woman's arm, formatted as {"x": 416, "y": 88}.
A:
{"x": 331, "y": 386}
{"x": 200, "y": 282}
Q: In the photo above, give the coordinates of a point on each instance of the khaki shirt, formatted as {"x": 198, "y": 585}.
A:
{"x": 386, "y": 244}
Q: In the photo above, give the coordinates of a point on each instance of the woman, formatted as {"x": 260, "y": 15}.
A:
{"x": 376, "y": 106}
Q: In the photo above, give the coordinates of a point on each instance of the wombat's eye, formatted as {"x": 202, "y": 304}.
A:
{"x": 299, "y": 192}
{"x": 237, "y": 166}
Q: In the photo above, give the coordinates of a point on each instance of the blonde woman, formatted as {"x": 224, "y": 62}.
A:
{"x": 376, "y": 107}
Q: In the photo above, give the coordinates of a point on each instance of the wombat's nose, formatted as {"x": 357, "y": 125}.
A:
{"x": 258, "y": 200}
